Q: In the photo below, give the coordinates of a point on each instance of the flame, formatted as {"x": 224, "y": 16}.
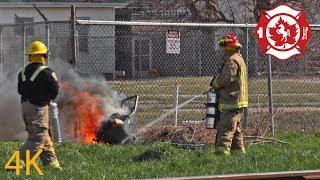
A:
{"x": 87, "y": 112}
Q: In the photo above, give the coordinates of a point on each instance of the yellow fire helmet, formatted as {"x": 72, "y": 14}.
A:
{"x": 37, "y": 47}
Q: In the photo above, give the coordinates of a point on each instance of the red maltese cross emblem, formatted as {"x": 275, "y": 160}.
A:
{"x": 283, "y": 32}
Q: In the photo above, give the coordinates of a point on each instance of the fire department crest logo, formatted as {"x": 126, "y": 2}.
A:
{"x": 283, "y": 32}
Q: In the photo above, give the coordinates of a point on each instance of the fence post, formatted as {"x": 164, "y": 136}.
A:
{"x": 270, "y": 95}
{"x": 47, "y": 26}
{"x": 176, "y": 103}
{"x": 1, "y": 59}
{"x": 133, "y": 59}
{"x": 199, "y": 53}
{"x": 24, "y": 42}
{"x": 246, "y": 48}
{"x": 74, "y": 59}
{"x": 73, "y": 36}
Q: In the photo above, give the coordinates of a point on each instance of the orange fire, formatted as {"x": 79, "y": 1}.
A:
{"x": 87, "y": 113}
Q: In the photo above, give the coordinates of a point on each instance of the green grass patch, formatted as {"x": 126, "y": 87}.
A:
{"x": 116, "y": 162}
{"x": 161, "y": 90}
{"x": 197, "y": 85}
{"x": 145, "y": 116}
{"x": 253, "y": 98}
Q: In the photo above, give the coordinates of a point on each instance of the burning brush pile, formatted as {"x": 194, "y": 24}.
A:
{"x": 185, "y": 134}
{"x": 88, "y": 107}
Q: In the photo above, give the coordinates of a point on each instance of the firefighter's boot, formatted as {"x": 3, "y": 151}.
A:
{"x": 238, "y": 152}
{"x": 223, "y": 151}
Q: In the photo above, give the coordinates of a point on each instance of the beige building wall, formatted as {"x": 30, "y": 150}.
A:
{"x": 99, "y": 56}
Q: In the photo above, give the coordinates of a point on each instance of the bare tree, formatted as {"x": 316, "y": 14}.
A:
{"x": 210, "y": 13}
{"x": 228, "y": 10}
{"x": 200, "y": 10}
{"x": 258, "y": 6}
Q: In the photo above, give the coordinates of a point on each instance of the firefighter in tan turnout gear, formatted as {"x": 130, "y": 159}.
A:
{"x": 37, "y": 85}
{"x": 232, "y": 87}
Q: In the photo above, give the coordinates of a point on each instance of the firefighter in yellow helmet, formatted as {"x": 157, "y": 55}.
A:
{"x": 231, "y": 85}
{"x": 37, "y": 85}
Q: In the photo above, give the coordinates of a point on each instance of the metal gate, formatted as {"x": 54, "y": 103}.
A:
{"x": 141, "y": 56}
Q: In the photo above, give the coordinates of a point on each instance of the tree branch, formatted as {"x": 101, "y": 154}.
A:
{"x": 191, "y": 5}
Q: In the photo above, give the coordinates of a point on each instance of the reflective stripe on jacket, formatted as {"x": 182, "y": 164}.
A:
{"x": 34, "y": 75}
{"x": 37, "y": 84}
{"x": 232, "y": 84}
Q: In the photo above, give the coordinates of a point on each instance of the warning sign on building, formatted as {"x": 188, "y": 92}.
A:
{"x": 173, "y": 42}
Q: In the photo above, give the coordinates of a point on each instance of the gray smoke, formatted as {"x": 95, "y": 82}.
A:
{"x": 109, "y": 100}
{"x": 12, "y": 126}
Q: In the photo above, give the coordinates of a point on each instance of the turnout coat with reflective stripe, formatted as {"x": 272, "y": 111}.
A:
{"x": 232, "y": 84}
{"x": 37, "y": 84}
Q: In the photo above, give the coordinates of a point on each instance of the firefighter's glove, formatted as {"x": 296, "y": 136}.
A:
{"x": 118, "y": 122}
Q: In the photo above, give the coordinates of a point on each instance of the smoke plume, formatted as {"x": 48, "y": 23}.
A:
{"x": 85, "y": 102}
{"x": 12, "y": 126}
{"x": 73, "y": 89}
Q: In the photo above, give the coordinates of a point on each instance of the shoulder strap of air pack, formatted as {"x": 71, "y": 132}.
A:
{"x": 34, "y": 75}
{"x": 23, "y": 76}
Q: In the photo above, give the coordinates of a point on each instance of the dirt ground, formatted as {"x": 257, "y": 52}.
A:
{"x": 187, "y": 134}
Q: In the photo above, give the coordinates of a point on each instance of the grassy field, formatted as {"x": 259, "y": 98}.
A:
{"x": 198, "y": 85}
{"x": 115, "y": 162}
{"x": 156, "y": 97}
{"x": 160, "y": 91}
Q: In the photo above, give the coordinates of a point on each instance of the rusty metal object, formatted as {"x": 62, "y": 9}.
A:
{"x": 119, "y": 127}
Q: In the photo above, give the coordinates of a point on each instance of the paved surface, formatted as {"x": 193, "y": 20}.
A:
{"x": 289, "y": 175}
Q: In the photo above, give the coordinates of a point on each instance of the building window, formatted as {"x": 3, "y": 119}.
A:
{"x": 19, "y": 29}
{"x": 83, "y": 33}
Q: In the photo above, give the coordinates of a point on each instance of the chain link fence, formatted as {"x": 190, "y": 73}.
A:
{"x": 133, "y": 58}
{"x": 16, "y": 37}
{"x": 153, "y": 74}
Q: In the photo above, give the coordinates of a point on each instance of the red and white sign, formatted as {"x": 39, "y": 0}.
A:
{"x": 283, "y": 32}
{"x": 173, "y": 42}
